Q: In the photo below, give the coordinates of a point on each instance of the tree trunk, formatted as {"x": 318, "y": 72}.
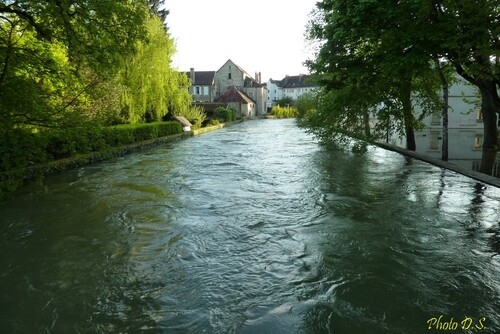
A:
{"x": 366, "y": 124}
{"x": 445, "y": 89}
{"x": 405, "y": 95}
{"x": 490, "y": 104}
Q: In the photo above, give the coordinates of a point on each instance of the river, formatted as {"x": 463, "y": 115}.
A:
{"x": 253, "y": 228}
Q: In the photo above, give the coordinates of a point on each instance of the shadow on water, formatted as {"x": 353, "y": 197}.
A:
{"x": 72, "y": 259}
{"x": 397, "y": 247}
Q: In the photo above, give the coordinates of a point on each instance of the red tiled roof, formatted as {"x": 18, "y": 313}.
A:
{"x": 232, "y": 94}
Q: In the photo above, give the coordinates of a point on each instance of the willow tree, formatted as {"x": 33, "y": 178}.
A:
{"x": 152, "y": 86}
{"x": 52, "y": 53}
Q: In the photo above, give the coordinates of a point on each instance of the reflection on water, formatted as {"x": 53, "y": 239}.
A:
{"x": 251, "y": 229}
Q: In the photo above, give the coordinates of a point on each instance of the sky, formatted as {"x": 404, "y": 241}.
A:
{"x": 264, "y": 36}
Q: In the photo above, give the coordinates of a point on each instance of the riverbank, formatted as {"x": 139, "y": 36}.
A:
{"x": 13, "y": 180}
{"x": 214, "y": 127}
{"x": 488, "y": 179}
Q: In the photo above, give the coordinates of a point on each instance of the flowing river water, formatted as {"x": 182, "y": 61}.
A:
{"x": 252, "y": 229}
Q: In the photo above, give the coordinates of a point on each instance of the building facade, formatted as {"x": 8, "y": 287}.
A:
{"x": 210, "y": 86}
{"x": 204, "y": 85}
{"x": 465, "y": 129}
{"x": 231, "y": 75}
{"x": 290, "y": 86}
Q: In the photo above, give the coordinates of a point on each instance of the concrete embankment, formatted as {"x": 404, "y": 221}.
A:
{"x": 491, "y": 180}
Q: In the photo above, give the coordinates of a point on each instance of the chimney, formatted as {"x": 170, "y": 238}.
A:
{"x": 260, "y": 77}
{"x": 192, "y": 76}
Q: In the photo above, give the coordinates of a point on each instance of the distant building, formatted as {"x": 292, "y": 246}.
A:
{"x": 290, "y": 86}
{"x": 204, "y": 85}
{"x": 209, "y": 87}
{"x": 236, "y": 99}
{"x": 231, "y": 75}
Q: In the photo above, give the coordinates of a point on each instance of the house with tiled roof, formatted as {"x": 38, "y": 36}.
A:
{"x": 207, "y": 87}
{"x": 231, "y": 76}
{"x": 204, "y": 85}
{"x": 290, "y": 86}
{"x": 236, "y": 99}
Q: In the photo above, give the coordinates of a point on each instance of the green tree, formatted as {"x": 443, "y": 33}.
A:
{"x": 38, "y": 82}
{"x": 466, "y": 33}
{"x": 366, "y": 66}
{"x": 152, "y": 87}
{"x": 96, "y": 33}
{"x": 286, "y": 101}
{"x": 393, "y": 46}
{"x": 307, "y": 104}
{"x": 54, "y": 53}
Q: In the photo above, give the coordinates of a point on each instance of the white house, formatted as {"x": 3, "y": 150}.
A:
{"x": 465, "y": 129}
{"x": 290, "y": 86}
{"x": 275, "y": 92}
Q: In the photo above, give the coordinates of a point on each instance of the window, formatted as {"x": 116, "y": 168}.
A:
{"x": 434, "y": 141}
{"x": 205, "y": 91}
{"x": 479, "y": 115}
{"x": 197, "y": 90}
{"x": 478, "y": 142}
{"x": 229, "y": 76}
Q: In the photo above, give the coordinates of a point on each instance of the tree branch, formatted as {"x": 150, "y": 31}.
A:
{"x": 27, "y": 17}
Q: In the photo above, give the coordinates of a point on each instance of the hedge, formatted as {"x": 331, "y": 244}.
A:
{"x": 20, "y": 148}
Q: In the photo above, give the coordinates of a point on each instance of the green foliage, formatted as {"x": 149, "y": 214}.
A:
{"x": 69, "y": 62}
{"x": 195, "y": 114}
{"x": 382, "y": 67}
{"x": 96, "y": 33}
{"x": 37, "y": 79}
{"x": 151, "y": 87}
{"x": 287, "y": 101}
{"x": 225, "y": 114}
{"x": 213, "y": 121}
{"x": 284, "y": 112}
{"x": 307, "y": 104}
{"x": 22, "y": 148}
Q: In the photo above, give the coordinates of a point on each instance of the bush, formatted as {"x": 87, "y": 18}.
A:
{"x": 20, "y": 148}
{"x": 213, "y": 122}
{"x": 287, "y": 101}
{"x": 307, "y": 104}
{"x": 286, "y": 112}
{"x": 130, "y": 133}
{"x": 225, "y": 114}
{"x": 195, "y": 115}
